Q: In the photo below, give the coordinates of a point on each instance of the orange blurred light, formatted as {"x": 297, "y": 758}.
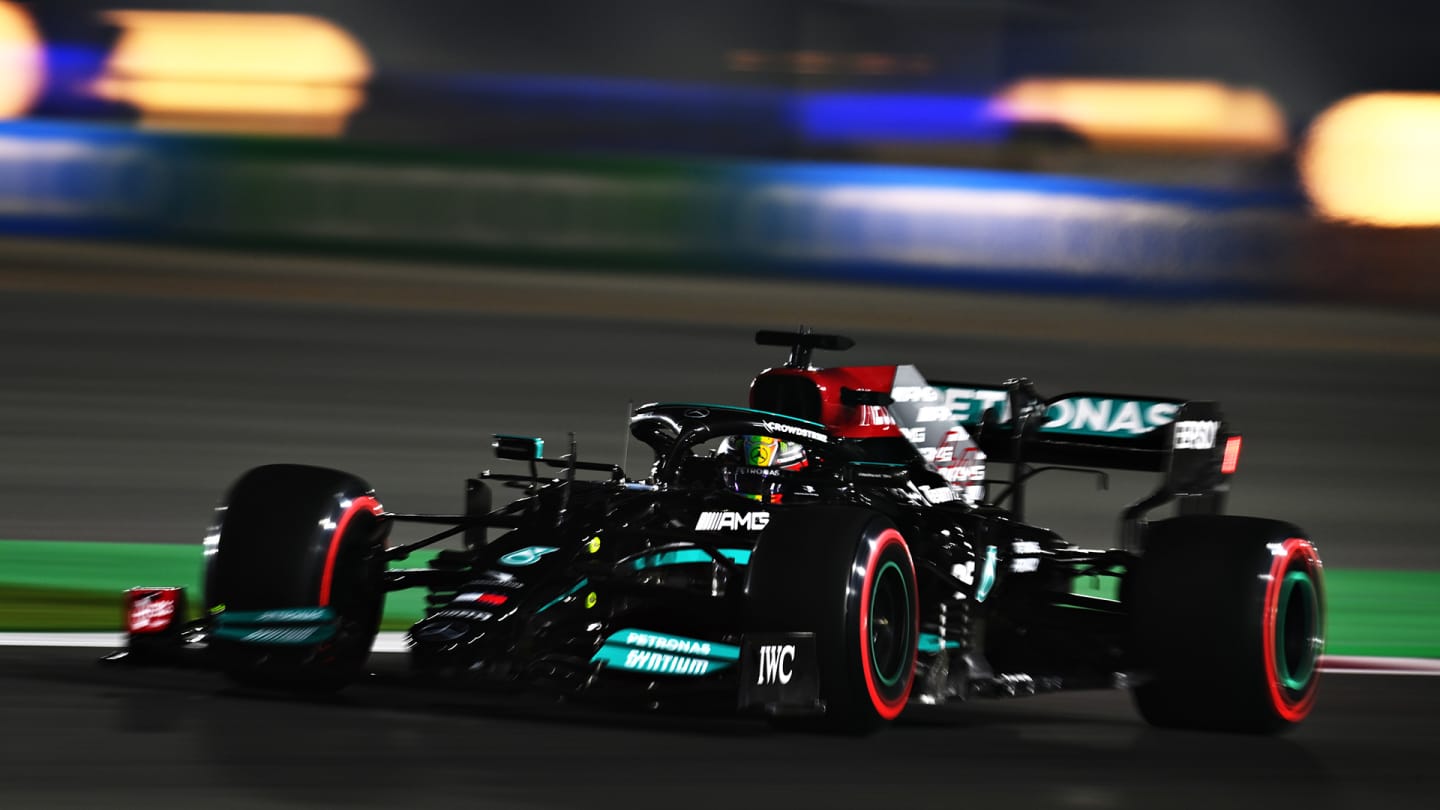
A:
{"x": 1122, "y": 113}
{"x": 238, "y": 72}
{"x": 745, "y": 59}
{"x": 1375, "y": 159}
{"x": 874, "y": 64}
{"x": 22, "y": 61}
{"x": 812, "y": 62}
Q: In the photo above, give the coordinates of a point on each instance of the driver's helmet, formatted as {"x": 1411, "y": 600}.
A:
{"x": 763, "y": 463}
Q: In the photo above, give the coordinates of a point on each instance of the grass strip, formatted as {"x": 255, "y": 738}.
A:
{"x": 1389, "y": 613}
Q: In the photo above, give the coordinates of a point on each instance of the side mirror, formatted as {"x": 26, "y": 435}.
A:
{"x": 518, "y": 448}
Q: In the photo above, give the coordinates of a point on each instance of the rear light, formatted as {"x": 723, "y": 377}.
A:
{"x": 1232, "y": 455}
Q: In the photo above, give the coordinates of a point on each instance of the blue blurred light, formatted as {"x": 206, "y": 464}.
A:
{"x": 39, "y": 130}
{"x": 835, "y": 117}
{"x": 73, "y": 60}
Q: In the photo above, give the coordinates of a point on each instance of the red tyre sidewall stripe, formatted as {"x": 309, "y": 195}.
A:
{"x": 327, "y": 578}
{"x": 1291, "y": 710}
{"x": 886, "y": 708}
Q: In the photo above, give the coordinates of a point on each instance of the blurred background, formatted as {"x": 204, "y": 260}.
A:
{"x": 488, "y": 186}
{"x": 1282, "y": 148}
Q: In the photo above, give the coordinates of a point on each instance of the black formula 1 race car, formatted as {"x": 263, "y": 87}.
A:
{"x": 827, "y": 556}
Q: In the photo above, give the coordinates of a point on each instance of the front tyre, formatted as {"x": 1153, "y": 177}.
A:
{"x": 1229, "y": 621}
{"x": 294, "y": 577}
{"x": 846, "y": 575}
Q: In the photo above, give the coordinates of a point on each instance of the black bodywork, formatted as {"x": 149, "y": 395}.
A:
{"x": 592, "y": 581}
{"x": 643, "y": 555}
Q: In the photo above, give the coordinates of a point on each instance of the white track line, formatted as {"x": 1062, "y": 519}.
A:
{"x": 395, "y": 643}
{"x": 1372, "y": 665}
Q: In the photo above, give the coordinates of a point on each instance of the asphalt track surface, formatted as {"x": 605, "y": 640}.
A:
{"x": 138, "y": 383}
{"x": 80, "y": 735}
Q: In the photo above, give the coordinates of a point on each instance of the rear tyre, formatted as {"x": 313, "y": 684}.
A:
{"x": 846, "y": 575}
{"x": 1228, "y": 616}
{"x": 296, "y": 543}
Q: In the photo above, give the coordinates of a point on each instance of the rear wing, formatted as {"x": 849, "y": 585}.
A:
{"x": 1188, "y": 443}
{"x": 1181, "y": 439}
